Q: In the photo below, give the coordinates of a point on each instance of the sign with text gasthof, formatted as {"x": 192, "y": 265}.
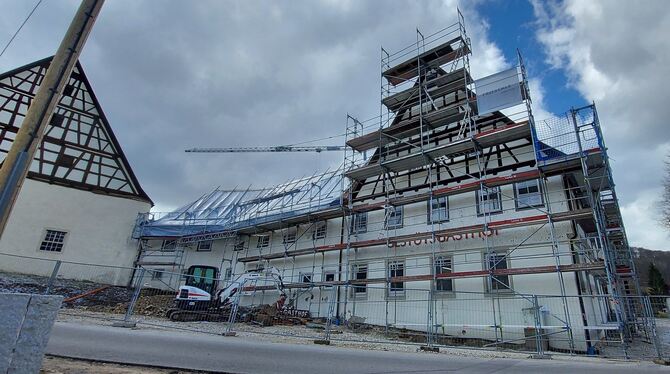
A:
{"x": 498, "y": 91}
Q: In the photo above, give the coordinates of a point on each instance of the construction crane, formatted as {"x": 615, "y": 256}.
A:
{"x": 278, "y": 148}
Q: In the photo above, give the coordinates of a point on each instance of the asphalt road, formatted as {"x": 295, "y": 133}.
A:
{"x": 236, "y": 355}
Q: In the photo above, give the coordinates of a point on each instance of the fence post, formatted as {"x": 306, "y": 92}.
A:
{"x": 233, "y": 310}
{"x": 650, "y": 323}
{"x": 430, "y": 324}
{"x": 332, "y": 302}
{"x": 54, "y": 274}
{"x": 538, "y": 328}
{"x": 131, "y": 306}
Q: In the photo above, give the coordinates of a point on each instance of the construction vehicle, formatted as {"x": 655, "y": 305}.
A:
{"x": 201, "y": 299}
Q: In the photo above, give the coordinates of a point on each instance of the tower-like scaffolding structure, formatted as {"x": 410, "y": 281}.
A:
{"x": 430, "y": 122}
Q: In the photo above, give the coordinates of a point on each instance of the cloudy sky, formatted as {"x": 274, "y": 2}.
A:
{"x": 176, "y": 74}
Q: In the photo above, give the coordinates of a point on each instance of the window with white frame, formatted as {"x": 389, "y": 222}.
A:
{"x": 204, "y": 246}
{"x": 228, "y": 274}
{"x": 329, "y": 276}
{"x": 319, "y": 230}
{"x": 239, "y": 245}
{"x": 497, "y": 283}
{"x": 490, "y": 201}
{"x": 359, "y": 272}
{"x": 157, "y": 274}
{"x": 443, "y": 265}
{"x": 528, "y": 194}
{"x": 53, "y": 241}
{"x": 359, "y": 223}
{"x": 396, "y": 269}
{"x": 263, "y": 241}
{"x": 394, "y": 217}
{"x": 438, "y": 209}
{"x": 290, "y": 235}
{"x": 169, "y": 245}
{"x": 306, "y": 277}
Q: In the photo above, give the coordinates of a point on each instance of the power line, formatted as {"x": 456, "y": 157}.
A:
{"x": 20, "y": 27}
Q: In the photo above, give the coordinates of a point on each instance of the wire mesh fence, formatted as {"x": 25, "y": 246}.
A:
{"x": 261, "y": 305}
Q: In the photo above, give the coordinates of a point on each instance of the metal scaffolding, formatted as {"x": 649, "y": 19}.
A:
{"x": 430, "y": 142}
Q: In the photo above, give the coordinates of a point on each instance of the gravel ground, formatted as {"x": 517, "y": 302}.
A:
{"x": 59, "y": 365}
{"x": 23, "y": 283}
{"x": 645, "y": 348}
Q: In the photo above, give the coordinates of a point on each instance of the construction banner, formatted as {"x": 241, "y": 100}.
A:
{"x": 498, "y": 91}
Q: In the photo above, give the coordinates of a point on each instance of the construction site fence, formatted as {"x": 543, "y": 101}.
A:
{"x": 382, "y": 314}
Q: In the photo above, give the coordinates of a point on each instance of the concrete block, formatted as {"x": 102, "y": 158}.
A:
{"x": 13, "y": 309}
{"x": 29, "y": 328}
{"x": 125, "y": 324}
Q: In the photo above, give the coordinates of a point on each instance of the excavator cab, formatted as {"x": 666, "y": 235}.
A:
{"x": 203, "y": 277}
{"x": 201, "y": 284}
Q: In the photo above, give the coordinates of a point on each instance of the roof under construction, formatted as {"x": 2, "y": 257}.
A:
{"x": 252, "y": 209}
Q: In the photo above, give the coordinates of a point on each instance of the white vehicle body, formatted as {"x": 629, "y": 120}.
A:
{"x": 194, "y": 295}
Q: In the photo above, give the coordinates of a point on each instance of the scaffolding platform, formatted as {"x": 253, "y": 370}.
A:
{"x": 435, "y": 57}
{"x": 413, "y": 160}
{"x": 394, "y": 240}
{"x": 439, "y": 86}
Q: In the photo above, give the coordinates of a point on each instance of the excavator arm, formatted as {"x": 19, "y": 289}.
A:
{"x": 270, "y": 274}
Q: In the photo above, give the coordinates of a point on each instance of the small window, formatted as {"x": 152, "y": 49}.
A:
{"x": 489, "y": 201}
{"x": 359, "y": 223}
{"x": 169, "y": 245}
{"x": 53, "y": 241}
{"x": 528, "y": 194}
{"x": 396, "y": 269}
{"x": 443, "y": 265}
{"x": 228, "y": 274}
{"x": 239, "y": 245}
{"x": 360, "y": 272}
{"x": 66, "y": 161}
{"x": 438, "y": 209}
{"x": 263, "y": 241}
{"x": 329, "y": 277}
{"x": 319, "y": 230}
{"x": 497, "y": 261}
{"x": 290, "y": 235}
{"x": 157, "y": 274}
{"x": 68, "y": 90}
{"x": 305, "y": 277}
{"x": 57, "y": 120}
{"x": 204, "y": 246}
{"x": 394, "y": 217}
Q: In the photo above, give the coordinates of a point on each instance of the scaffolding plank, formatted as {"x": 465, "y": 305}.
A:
{"x": 410, "y": 126}
{"x": 503, "y": 134}
{"x": 440, "y": 55}
{"x": 488, "y": 138}
{"x": 439, "y": 86}
{"x": 394, "y": 240}
{"x": 454, "y": 275}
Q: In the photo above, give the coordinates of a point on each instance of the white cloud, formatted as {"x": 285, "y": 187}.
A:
{"x": 643, "y": 229}
{"x": 618, "y": 54}
{"x": 215, "y": 73}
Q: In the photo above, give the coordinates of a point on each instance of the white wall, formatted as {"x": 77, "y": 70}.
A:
{"x": 98, "y": 227}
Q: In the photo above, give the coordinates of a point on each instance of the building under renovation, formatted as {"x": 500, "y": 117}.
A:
{"x": 455, "y": 211}
{"x": 80, "y": 199}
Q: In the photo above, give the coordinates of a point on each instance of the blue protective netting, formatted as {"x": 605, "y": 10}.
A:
{"x": 566, "y": 135}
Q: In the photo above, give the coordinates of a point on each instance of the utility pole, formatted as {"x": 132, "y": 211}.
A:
{"x": 17, "y": 162}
